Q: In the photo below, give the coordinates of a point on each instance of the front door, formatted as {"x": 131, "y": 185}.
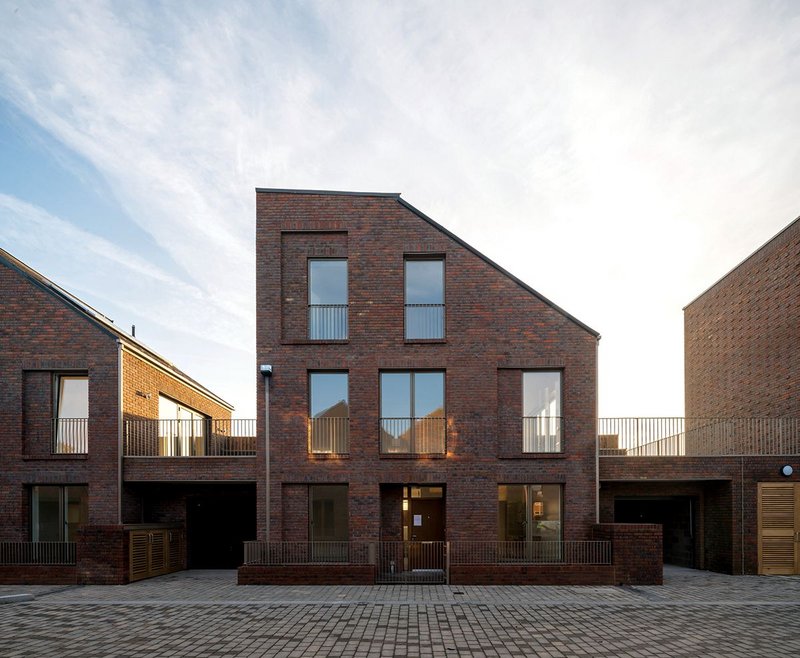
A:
{"x": 424, "y": 526}
{"x": 778, "y": 528}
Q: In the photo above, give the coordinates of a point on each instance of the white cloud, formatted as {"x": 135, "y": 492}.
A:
{"x": 617, "y": 156}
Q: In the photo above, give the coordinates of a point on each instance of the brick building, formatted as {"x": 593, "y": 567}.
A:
{"x": 717, "y": 480}
{"x": 114, "y": 464}
{"x": 420, "y": 395}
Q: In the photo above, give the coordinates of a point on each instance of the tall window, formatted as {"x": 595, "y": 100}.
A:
{"x": 181, "y": 430}
{"x": 541, "y": 411}
{"x": 412, "y": 413}
{"x": 57, "y": 511}
{"x": 330, "y": 412}
{"x": 327, "y": 299}
{"x": 72, "y": 414}
{"x": 328, "y": 522}
{"x": 529, "y": 512}
{"x": 424, "y": 299}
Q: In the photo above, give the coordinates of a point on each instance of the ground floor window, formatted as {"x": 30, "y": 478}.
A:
{"x": 328, "y": 514}
{"x": 57, "y": 511}
{"x": 529, "y": 512}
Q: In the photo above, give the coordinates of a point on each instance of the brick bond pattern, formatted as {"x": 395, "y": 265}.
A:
{"x": 494, "y": 329}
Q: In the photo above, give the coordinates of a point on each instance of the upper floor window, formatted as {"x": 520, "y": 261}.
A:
{"x": 72, "y": 414}
{"x": 541, "y": 411}
{"x": 327, "y": 299}
{"x": 412, "y": 413}
{"x": 181, "y": 430}
{"x": 329, "y": 422}
{"x": 424, "y": 283}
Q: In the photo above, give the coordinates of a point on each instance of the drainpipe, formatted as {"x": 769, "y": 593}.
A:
{"x": 120, "y": 422}
{"x": 266, "y": 371}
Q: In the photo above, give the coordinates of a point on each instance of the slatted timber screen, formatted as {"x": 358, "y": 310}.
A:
{"x": 778, "y": 528}
{"x": 155, "y": 551}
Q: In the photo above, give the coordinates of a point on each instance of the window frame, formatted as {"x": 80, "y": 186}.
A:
{"x": 413, "y": 419}
{"x": 554, "y": 441}
{"x": 63, "y": 511}
{"x": 345, "y": 425}
{"x": 70, "y": 433}
{"x": 530, "y": 514}
{"x": 178, "y": 443}
{"x": 416, "y": 258}
{"x": 346, "y": 306}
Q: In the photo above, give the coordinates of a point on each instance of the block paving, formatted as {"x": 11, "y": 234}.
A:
{"x": 204, "y": 613}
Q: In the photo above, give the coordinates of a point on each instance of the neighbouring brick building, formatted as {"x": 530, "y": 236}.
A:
{"x": 419, "y": 395}
{"x": 717, "y": 480}
{"x": 100, "y": 479}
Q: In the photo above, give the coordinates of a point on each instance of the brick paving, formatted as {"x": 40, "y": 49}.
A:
{"x": 204, "y": 613}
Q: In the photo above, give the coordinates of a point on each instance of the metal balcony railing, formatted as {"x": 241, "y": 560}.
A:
{"x": 424, "y": 321}
{"x": 413, "y": 436}
{"x": 37, "y": 553}
{"x": 329, "y": 435}
{"x": 70, "y": 436}
{"x": 206, "y": 437}
{"x": 327, "y": 321}
{"x": 698, "y": 437}
{"x": 541, "y": 433}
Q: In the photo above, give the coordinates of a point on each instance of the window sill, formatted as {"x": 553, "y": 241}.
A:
{"x": 324, "y": 456}
{"x": 57, "y": 457}
{"x": 533, "y": 455}
{"x": 308, "y": 341}
{"x": 424, "y": 341}
{"x": 391, "y": 455}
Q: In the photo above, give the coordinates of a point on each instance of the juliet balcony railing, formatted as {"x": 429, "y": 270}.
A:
{"x": 698, "y": 437}
{"x": 542, "y": 434}
{"x": 413, "y": 436}
{"x": 424, "y": 321}
{"x": 327, "y": 321}
{"x": 70, "y": 436}
{"x": 329, "y": 435}
{"x": 37, "y": 553}
{"x": 206, "y": 437}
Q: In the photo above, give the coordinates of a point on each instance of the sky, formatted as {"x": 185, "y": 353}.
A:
{"x": 619, "y": 157}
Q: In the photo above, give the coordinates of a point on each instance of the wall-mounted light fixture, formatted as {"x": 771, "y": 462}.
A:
{"x": 144, "y": 395}
{"x": 786, "y": 470}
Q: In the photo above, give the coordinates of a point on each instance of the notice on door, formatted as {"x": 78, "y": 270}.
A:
{"x": 418, "y": 520}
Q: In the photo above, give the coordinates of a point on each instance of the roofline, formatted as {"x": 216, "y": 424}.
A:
{"x": 736, "y": 267}
{"x": 106, "y": 325}
{"x": 278, "y": 190}
{"x": 499, "y": 268}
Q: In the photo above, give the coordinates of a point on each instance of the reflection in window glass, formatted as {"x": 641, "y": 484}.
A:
{"x": 541, "y": 411}
{"x": 72, "y": 413}
{"x": 329, "y": 412}
{"x": 412, "y": 412}
{"x": 327, "y": 299}
{"x": 529, "y": 512}
{"x": 328, "y": 522}
{"x": 57, "y": 512}
{"x": 424, "y": 304}
{"x": 181, "y": 430}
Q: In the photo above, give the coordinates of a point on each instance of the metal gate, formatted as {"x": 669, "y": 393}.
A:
{"x": 412, "y": 562}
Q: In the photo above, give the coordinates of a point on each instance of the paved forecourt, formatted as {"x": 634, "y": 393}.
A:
{"x": 204, "y": 613}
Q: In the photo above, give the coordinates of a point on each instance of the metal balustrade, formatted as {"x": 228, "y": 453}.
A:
{"x": 329, "y": 435}
{"x": 70, "y": 436}
{"x": 37, "y": 553}
{"x": 530, "y": 552}
{"x": 206, "y": 437}
{"x": 327, "y": 321}
{"x": 698, "y": 437}
{"x": 541, "y": 434}
{"x": 413, "y": 436}
{"x": 424, "y": 321}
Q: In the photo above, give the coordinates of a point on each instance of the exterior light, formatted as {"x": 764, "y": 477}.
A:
{"x": 786, "y": 470}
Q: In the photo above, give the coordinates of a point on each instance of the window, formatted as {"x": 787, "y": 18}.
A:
{"x": 57, "y": 511}
{"x": 181, "y": 430}
{"x": 327, "y": 299}
{"x": 329, "y": 412}
{"x": 541, "y": 411}
{"x": 424, "y": 283}
{"x": 412, "y": 413}
{"x": 72, "y": 414}
{"x": 328, "y": 522}
{"x": 529, "y": 512}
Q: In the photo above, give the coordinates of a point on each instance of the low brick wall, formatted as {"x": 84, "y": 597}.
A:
{"x": 31, "y": 574}
{"x": 102, "y": 555}
{"x": 307, "y": 574}
{"x": 541, "y": 574}
{"x": 636, "y": 550}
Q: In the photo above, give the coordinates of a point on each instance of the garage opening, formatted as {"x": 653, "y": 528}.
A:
{"x": 677, "y": 516}
{"x": 217, "y": 526}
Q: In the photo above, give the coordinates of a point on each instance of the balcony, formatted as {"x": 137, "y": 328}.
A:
{"x": 424, "y": 321}
{"x": 541, "y": 434}
{"x": 327, "y": 321}
{"x": 329, "y": 435}
{"x": 207, "y": 437}
{"x": 413, "y": 436}
{"x": 698, "y": 437}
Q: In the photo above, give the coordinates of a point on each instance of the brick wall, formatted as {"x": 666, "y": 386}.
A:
{"x": 741, "y": 348}
{"x": 495, "y": 329}
{"x": 307, "y": 574}
{"x": 636, "y": 552}
{"x": 102, "y": 555}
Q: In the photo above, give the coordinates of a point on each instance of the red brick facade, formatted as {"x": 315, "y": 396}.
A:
{"x": 495, "y": 329}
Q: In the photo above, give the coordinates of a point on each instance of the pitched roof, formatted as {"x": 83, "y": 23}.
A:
{"x": 105, "y": 324}
{"x": 449, "y": 234}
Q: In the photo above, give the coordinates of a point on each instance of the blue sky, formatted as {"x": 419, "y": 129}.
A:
{"x": 618, "y": 156}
